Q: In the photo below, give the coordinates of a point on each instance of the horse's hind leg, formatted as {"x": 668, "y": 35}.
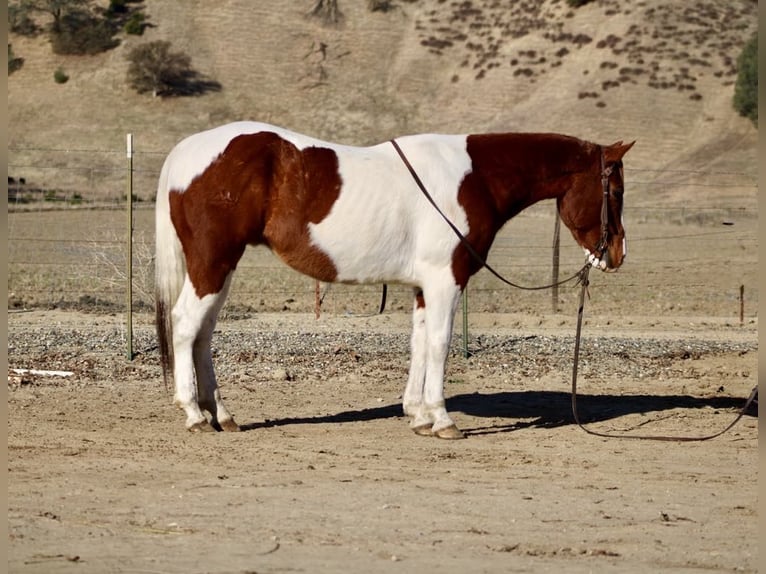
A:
{"x": 193, "y": 322}
{"x": 209, "y": 398}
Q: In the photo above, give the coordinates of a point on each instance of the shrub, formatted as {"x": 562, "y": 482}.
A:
{"x": 155, "y": 68}
{"x": 327, "y": 12}
{"x": 117, "y": 7}
{"x": 60, "y": 76}
{"x": 20, "y": 22}
{"x": 746, "y": 89}
{"x": 380, "y": 5}
{"x": 136, "y": 24}
{"x": 14, "y": 63}
{"x": 79, "y": 32}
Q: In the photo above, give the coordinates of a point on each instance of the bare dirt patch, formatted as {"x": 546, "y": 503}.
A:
{"x": 327, "y": 477}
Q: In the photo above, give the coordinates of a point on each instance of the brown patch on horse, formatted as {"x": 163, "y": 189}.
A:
{"x": 310, "y": 187}
{"x": 420, "y": 301}
{"x": 506, "y": 169}
{"x": 259, "y": 179}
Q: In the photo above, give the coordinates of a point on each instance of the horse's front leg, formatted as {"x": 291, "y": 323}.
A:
{"x": 413, "y": 393}
{"x": 426, "y": 400}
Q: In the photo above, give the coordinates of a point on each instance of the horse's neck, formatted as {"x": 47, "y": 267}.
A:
{"x": 520, "y": 170}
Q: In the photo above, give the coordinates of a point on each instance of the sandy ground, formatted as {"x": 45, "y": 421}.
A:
{"x": 327, "y": 477}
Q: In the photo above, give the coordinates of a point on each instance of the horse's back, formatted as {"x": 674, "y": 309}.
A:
{"x": 193, "y": 155}
{"x": 358, "y": 206}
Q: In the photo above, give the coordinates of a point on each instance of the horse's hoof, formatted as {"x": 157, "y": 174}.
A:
{"x": 202, "y": 426}
{"x": 424, "y": 430}
{"x": 229, "y": 426}
{"x": 450, "y": 433}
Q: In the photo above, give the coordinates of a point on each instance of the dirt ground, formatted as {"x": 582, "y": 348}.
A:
{"x": 327, "y": 477}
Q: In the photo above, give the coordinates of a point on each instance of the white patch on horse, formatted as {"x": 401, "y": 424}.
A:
{"x": 382, "y": 228}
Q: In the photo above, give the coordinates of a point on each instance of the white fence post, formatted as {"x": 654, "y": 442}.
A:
{"x": 129, "y": 270}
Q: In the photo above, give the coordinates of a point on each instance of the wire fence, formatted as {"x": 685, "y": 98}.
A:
{"x": 68, "y": 246}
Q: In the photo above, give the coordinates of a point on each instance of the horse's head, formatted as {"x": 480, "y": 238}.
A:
{"x": 592, "y": 208}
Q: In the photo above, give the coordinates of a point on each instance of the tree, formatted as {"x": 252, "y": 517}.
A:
{"x": 82, "y": 32}
{"x": 746, "y": 89}
{"x": 19, "y": 20}
{"x": 57, "y": 8}
{"x": 78, "y": 26}
{"x": 155, "y": 68}
{"x": 327, "y": 11}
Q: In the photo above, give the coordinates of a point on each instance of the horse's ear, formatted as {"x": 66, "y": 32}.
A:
{"x": 615, "y": 151}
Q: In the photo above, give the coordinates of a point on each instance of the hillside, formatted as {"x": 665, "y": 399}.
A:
{"x": 658, "y": 71}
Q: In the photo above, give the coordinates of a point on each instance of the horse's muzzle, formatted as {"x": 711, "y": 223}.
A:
{"x": 604, "y": 262}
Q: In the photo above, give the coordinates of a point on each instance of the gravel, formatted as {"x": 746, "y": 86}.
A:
{"x": 95, "y": 350}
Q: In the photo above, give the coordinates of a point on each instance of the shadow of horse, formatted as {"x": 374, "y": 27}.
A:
{"x": 527, "y": 409}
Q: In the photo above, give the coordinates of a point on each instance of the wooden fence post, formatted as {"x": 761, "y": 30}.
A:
{"x": 741, "y": 305}
{"x": 555, "y": 272}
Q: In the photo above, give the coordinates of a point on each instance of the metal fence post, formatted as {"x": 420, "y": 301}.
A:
{"x": 466, "y": 354}
{"x": 129, "y": 258}
{"x": 555, "y": 273}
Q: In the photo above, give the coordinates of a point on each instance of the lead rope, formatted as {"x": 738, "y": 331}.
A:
{"x": 584, "y": 281}
{"x": 582, "y": 276}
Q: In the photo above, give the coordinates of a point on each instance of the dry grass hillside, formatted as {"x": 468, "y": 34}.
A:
{"x": 658, "y": 71}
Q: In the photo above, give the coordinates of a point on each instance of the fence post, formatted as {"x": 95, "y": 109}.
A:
{"x": 555, "y": 273}
{"x": 466, "y": 354}
{"x": 129, "y": 270}
{"x": 741, "y": 305}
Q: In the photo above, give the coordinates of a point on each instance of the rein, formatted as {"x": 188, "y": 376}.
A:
{"x": 582, "y": 276}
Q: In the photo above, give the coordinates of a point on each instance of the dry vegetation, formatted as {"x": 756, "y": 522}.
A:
{"x": 659, "y": 72}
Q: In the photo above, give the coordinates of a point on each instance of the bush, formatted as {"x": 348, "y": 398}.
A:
{"x": 155, "y": 68}
{"x": 60, "y": 76}
{"x": 746, "y": 89}
{"x": 79, "y": 32}
{"x": 14, "y": 63}
{"x": 380, "y": 5}
{"x": 117, "y": 7}
{"x": 20, "y": 22}
{"x": 136, "y": 24}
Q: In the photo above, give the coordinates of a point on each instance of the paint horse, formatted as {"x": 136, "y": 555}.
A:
{"x": 355, "y": 215}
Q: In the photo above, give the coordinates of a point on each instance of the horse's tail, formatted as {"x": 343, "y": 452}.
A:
{"x": 170, "y": 268}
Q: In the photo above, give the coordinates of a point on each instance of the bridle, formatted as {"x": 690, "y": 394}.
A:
{"x": 606, "y": 172}
{"x": 582, "y": 276}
